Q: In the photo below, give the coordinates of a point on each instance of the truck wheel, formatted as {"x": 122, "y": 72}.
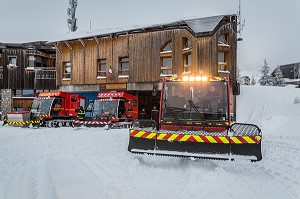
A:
{"x": 50, "y": 125}
{"x": 68, "y": 124}
{"x": 59, "y": 124}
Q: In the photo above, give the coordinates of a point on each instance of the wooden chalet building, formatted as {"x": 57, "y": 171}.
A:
{"x": 135, "y": 60}
{"x": 25, "y": 70}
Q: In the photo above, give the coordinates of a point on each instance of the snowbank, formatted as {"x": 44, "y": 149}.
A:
{"x": 271, "y": 108}
{"x": 94, "y": 163}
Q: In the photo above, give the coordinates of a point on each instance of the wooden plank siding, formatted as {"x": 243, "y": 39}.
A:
{"x": 91, "y": 62}
{"x": 19, "y": 77}
{"x": 15, "y": 77}
{"x": 143, "y": 50}
{"x": 24, "y": 103}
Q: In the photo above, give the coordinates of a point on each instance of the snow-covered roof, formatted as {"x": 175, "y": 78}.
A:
{"x": 197, "y": 26}
{"x": 203, "y": 25}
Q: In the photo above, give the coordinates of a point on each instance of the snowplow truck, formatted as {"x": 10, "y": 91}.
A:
{"x": 51, "y": 109}
{"x": 113, "y": 110}
{"x": 194, "y": 121}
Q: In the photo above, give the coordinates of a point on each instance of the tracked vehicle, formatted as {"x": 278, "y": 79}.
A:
{"x": 195, "y": 121}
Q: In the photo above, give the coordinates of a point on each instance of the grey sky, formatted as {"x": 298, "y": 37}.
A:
{"x": 272, "y": 28}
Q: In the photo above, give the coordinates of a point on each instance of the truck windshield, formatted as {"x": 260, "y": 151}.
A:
{"x": 205, "y": 100}
{"x": 41, "y": 106}
{"x": 108, "y": 108}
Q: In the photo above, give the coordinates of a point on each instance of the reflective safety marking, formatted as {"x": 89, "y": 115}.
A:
{"x": 234, "y": 140}
{"x": 22, "y": 123}
{"x": 151, "y": 136}
{"x": 196, "y": 138}
{"x": 185, "y": 138}
{"x": 224, "y": 139}
{"x": 258, "y": 138}
{"x": 161, "y": 136}
{"x": 245, "y": 139}
{"x": 211, "y": 139}
{"x": 249, "y": 140}
{"x": 142, "y": 134}
{"x": 172, "y": 137}
{"x": 193, "y": 138}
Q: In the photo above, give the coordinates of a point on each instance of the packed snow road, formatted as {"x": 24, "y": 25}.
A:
{"x": 94, "y": 163}
{"x": 91, "y": 163}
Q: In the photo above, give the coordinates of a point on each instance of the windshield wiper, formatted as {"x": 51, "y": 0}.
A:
{"x": 196, "y": 110}
{"x": 168, "y": 107}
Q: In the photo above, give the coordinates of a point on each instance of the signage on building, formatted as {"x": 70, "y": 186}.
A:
{"x": 116, "y": 86}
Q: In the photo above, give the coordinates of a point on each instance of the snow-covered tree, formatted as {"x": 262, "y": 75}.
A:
{"x": 278, "y": 78}
{"x": 238, "y": 75}
{"x": 266, "y": 79}
{"x": 253, "y": 81}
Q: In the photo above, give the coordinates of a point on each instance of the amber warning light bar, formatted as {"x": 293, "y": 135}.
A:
{"x": 197, "y": 78}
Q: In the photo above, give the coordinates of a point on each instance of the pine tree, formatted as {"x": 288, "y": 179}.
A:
{"x": 253, "y": 81}
{"x": 278, "y": 79}
{"x": 266, "y": 79}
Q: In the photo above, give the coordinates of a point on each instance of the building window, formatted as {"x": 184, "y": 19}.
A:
{"x": 166, "y": 59}
{"x": 166, "y": 68}
{"x": 124, "y": 66}
{"x": 222, "y": 61}
{"x": 187, "y": 44}
{"x": 223, "y": 53}
{"x": 223, "y": 40}
{"x": 167, "y": 48}
{"x": 12, "y": 61}
{"x": 19, "y": 92}
{"x": 101, "y": 71}
{"x": 67, "y": 70}
{"x": 41, "y": 61}
{"x": 187, "y": 59}
{"x": 1, "y": 72}
{"x": 31, "y": 60}
{"x": 186, "y": 55}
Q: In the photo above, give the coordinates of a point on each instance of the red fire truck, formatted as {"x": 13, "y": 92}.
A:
{"x": 56, "y": 109}
{"x": 51, "y": 109}
{"x": 115, "y": 109}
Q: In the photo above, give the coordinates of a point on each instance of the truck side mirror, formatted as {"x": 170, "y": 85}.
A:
{"x": 236, "y": 88}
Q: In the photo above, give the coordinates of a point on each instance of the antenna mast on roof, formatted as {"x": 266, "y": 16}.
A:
{"x": 71, "y": 13}
{"x": 241, "y": 22}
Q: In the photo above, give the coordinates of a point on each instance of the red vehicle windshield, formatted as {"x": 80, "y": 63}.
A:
{"x": 203, "y": 100}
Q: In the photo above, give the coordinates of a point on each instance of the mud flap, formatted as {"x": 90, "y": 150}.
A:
{"x": 245, "y": 140}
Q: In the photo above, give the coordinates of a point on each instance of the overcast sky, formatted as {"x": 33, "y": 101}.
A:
{"x": 272, "y": 29}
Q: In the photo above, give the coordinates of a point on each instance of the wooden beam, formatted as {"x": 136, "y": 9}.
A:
{"x": 82, "y": 42}
{"x": 57, "y": 49}
{"x": 97, "y": 40}
{"x": 69, "y": 46}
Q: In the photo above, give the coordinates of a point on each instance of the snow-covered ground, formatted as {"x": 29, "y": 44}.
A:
{"x": 93, "y": 163}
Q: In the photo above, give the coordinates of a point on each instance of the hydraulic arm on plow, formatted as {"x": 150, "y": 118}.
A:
{"x": 195, "y": 122}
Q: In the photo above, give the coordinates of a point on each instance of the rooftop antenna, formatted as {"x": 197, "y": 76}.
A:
{"x": 71, "y": 13}
{"x": 241, "y": 22}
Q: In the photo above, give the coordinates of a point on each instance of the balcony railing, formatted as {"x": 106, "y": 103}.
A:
{"x": 45, "y": 73}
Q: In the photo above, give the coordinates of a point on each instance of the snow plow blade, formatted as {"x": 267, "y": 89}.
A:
{"x": 212, "y": 141}
{"x": 245, "y": 140}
